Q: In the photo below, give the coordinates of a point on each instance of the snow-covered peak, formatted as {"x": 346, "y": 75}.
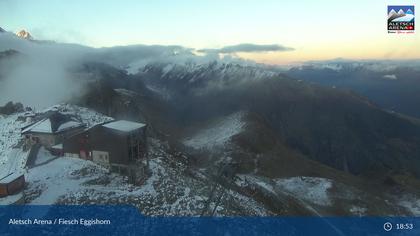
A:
{"x": 194, "y": 72}
{"x": 401, "y": 12}
{"x": 2, "y": 30}
{"x": 24, "y": 34}
{"x": 165, "y": 79}
{"x": 392, "y": 12}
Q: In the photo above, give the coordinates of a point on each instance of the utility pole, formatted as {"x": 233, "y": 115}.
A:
{"x": 224, "y": 173}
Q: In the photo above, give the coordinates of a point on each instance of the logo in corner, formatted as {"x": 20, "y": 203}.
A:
{"x": 400, "y": 19}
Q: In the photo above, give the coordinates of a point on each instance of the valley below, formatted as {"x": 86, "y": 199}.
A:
{"x": 224, "y": 138}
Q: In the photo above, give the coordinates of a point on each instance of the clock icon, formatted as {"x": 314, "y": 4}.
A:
{"x": 387, "y": 226}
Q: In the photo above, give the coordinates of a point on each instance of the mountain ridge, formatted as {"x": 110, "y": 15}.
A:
{"x": 255, "y": 132}
{"x": 24, "y": 35}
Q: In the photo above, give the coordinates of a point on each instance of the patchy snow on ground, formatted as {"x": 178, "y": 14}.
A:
{"x": 55, "y": 179}
{"x": 14, "y": 164}
{"x": 12, "y": 158}
{"x": 11, "y": 199}
{"x": 265, "y": 186}
{"x": 219, "y": 134}
{"x": 254, "y": 208}
{"x": 9, "y": 134}
{"x": 126, "y": 92}
{"x": 256, "y": 181}
{"x": 43, "y": 156}
{"x": 169, "y": 190}
{"x": 240, "y": 181}
{"x": 358, "y": 211}
{"x": 411, "y": 204}
{"x": 311, "y": 189}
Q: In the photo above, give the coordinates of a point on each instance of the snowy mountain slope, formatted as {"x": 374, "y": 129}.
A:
{"x": 171, "y": 80}
{"x": 322, "y": 196}
{"x": 12, "y": 158}
{"x": 314, "y": 190}
{"x": 218, "y": 135}
{"x": 15, "y": 163}
{"x": 194, "y": 71}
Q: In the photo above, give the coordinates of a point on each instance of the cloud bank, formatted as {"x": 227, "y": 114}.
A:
{"x": 44, "y": 74}
{"x": 40, "y": 75}
{"x": 248, "y": 47}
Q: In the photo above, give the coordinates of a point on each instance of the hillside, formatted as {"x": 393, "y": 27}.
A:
{"x": 221, "y": 133}
{"x": 392, "y": 86}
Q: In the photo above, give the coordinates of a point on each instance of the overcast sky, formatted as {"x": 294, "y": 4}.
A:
{"x": 297, "y": 30}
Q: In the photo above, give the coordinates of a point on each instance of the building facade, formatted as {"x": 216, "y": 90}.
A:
{"x": 12, "y": 184}
{"x": 51, "y": 130}
{"x": 117, "y": 145}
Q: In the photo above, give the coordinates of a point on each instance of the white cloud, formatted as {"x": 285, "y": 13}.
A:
{"x": 248, "y": 47}
{"x": 390, "y": 77}
{"x": 41, "y": 76}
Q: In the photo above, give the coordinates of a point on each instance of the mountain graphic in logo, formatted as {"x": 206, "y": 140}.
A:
{"x": 392, "y": 13}
{"x": 400, "y": 18}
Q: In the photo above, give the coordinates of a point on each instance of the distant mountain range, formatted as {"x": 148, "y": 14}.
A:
{"x": 393, "y": 86}
{"x": 266, "y": 124}
{"x": 262, "y": 131}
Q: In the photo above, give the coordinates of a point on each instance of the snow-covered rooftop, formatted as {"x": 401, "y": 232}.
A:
{"x": 10, "y": 178}
{"x": 124, "y": 125}
{"x": 68, "y": 125}
{"x": 58, "y": 146}
{"x": 46, "y": 125}
{"x": 42, "y": 126}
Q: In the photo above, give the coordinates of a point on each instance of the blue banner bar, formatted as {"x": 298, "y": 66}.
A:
{"x": 127, "y": 220}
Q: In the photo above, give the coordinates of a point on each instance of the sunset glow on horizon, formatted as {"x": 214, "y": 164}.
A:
{"x": 315, "y": 30}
